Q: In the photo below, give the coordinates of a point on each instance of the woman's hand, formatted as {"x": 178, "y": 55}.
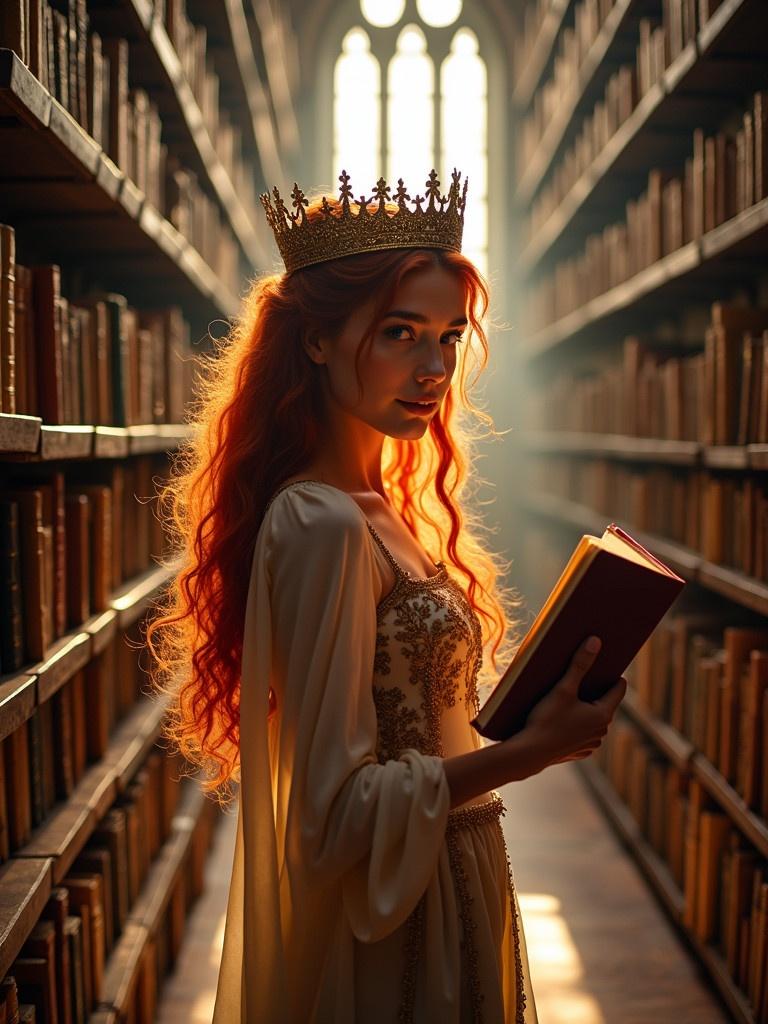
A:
{"x": 562, "y": 726}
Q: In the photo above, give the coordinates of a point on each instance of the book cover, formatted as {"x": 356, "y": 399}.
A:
{"x": 611, "y": 587}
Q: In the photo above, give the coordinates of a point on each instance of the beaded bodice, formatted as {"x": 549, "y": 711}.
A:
{"x": 428, "y": 655}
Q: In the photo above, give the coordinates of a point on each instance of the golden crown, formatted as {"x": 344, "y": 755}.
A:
{"x": 378, "y": 223}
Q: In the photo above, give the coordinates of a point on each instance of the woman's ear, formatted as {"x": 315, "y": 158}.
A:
{"x": 315, "y": 347}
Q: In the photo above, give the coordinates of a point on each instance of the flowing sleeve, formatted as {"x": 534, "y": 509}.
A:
{"x": 375, "y": 829}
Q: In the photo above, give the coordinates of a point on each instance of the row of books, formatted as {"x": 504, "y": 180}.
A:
{"x": 709, "y": 681}
{"x": 659, "y": 45}
{"x": 713, "y": 392}
{"x": 87, "y": 72}
{"x": 722, "y": 516}
{"x": 62, "y": 966}
{"x": 573, "y": 47}
{"x": 94, "y": 359}
{"x": 724, "y": 879}
{"x": 63, "y": 550}
{"x": 89, "y": 76}
{"x": 726, "y": 174}
{"x": 529, "y": 24}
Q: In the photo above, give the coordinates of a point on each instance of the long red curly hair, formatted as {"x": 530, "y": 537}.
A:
{"x": 256, "y": 422}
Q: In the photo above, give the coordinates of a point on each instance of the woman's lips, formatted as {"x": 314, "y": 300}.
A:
{"x": 421, "y": 409}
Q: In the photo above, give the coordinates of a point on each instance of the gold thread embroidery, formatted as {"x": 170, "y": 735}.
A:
{"x": 520, "y": 988}
{"x": 397, "y": 725}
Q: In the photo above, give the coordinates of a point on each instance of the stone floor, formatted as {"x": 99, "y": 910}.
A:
{"x": 601, "y": 949}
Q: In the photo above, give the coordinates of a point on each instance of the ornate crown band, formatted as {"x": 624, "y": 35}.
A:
{"x": 378, "y": 224}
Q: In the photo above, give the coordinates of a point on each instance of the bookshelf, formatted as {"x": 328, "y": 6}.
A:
{"x": 642, "y": 214}
{"x": 135, "y": 137}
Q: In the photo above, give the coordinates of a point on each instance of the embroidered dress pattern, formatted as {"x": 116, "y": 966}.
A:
{"x": 440, "y": 637}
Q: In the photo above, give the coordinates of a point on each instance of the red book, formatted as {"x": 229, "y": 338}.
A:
{"x": 612, "y": 588}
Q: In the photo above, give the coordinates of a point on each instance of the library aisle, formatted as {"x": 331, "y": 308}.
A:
{"x": 601, "y": 950}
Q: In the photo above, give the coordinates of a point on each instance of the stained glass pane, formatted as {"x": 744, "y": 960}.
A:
{"x": 464, "y": 126}
{"x": 439, "y": 12}
{"x": 410, "y": 135}
{"x": 357, "y": 112}
{"x": 382, "y": 13}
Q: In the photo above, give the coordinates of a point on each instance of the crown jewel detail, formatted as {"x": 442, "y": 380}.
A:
{"x": 381, "y": 222}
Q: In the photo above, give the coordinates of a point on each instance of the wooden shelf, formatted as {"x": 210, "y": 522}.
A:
{"x": 730, "y": 583}
{"x": 83, "y": 441}
{"x": 592, "y": 74}
{"x": 144, "y": 917}
{"x": 25, "y": 886}
{"x": 161, "y": 73}
{"x": 664, "y": 886}
{"x": 676, "y": 748}
{"x": 133, "y": 599}
{"x": 539, "y": 54}
{"x": 19, "y": 433}
{"x": 626, "y": 448}
{"x": 61, "y": 176}
{"x": 614, "y": 446}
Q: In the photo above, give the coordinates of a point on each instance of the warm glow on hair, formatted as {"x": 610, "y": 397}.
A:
{"x": 256, "y": 423}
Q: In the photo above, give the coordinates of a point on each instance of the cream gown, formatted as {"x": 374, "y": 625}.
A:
{"x": 357, "y": 896}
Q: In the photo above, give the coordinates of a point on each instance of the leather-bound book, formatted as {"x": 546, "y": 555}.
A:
{"x": 47, "y": 312}
{"x": 35, "y": 742}
{"x": 14, "y": 27}
{"x": 611, "y": 587}
{"x": 116, "y": 52}
{"x": 738, "y": 643}
{"x": 24, "y": 337}
{"x": 79, "y": 558}
{"x": 73, "y": 931}
{"x": 79, "y": 719}
{"x": 65, "y": 771}
{"x": 11, "y": 598}
{"x": 96, "y": 863}
{"x": 5, "y": 845}
{"x": 85, "y": 900}
{"x": 7, "y": 318}
{"x": 37, "y": 637}
{"x": 111, "y": 834}
{"x": 98, "y": 686}
{"x": 56, "y": 911}
{"x": 713, "y": 835}
{"x": 94, "y": 89}
{"x": 16, "y": 753}
{"x": 61, "y": 58}
{"x": 36, "y": 979}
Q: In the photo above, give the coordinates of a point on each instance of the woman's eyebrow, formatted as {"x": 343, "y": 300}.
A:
{"x": 405, "y": 314}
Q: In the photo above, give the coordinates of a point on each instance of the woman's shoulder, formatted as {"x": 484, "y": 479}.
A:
{"x": 313, "y": 507}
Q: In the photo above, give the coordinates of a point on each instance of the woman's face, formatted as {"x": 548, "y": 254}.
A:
{"x": 407, "y": 370}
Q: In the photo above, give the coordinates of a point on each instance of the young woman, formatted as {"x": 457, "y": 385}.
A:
{"x": 325, "y": 641}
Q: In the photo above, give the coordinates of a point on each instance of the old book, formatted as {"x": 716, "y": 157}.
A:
{"x": 98, "y": 686}
{"x": 760, "y": 125}
{"x": 38, "y": 61}
{"x": 50, "y": 48}
{"x": 11, "y": 597}
{"x": 73, "y": 930}
{"x": 79, "y": 558}
{"x": 16, "y": 753}
{"x": 729, "y": 322}
{"x": 751, "y": 388}
{"x": 7, "y": 318}
{"x": 749, "y": 160}
{"x": 116, "y": 52}
{"x": 35, "y": 746}
{"x": 738, "y": 643}
{"x": 754, "y": 686}
{"x": 86, "y": 900}
{"x": 26, "y": 381}
{"x": 36, "y": 983}
{"x": 713, "y": 834}
{"x": 55, "y": 913}
{"x": 65, "y": 769}
{"x": 14, "y": 27}
{"x": 80, "y": 714}
{"x": 36, "y": 619}
{"x": 111, "y": 834}
{"x": 697, "y": 197}
{"x": 100, "y": 529}
{"x": 591, "y": 596}
{"x": 5, "y": 842}
{"x": 94, "y": 69}
{"x": 47, "y": 311}
{"x": 80, "y": 58}
{"x": 61, "y": 58}
{"x": 91, "y": 862}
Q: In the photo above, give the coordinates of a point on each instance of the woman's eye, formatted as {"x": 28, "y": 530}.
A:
{"x": 396, "y": 332}
{"x": 457, "y": 336}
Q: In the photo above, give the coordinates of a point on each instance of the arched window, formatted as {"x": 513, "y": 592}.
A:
{"x": 433, "y": 111}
